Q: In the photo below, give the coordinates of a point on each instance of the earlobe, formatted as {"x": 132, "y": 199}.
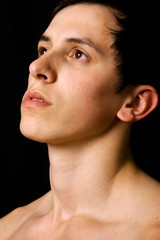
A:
{"x": 142, "y": 101}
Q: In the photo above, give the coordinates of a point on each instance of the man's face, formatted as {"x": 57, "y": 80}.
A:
{"x": 76, "y": 74}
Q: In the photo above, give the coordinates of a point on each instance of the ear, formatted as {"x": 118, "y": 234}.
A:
{"x": 139, "y": 104}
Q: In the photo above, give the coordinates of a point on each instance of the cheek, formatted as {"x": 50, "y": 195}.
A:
{"x": 91, "y": 86}
{"x": 89, "y": 97}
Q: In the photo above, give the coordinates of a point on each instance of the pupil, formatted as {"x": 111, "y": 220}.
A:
{"x": 78, "y": 54}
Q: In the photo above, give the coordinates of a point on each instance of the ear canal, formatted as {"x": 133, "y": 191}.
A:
{"x": 126, "y": 114}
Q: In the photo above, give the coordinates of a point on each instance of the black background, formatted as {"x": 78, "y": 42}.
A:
{"x": 24, "y": 164}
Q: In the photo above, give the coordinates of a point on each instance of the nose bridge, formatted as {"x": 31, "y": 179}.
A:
{"x": 42, "y": 69}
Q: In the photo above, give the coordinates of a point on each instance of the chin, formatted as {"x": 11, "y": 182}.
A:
{"x": 38, "y": 131}
{"x": 33, "y": 126}
{"x": 31, "y": 129}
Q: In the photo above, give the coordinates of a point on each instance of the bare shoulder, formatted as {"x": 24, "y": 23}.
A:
{"x": 14, "y": 220}
{"x": 11, "y": 222}
{"x": 149, "y": 190}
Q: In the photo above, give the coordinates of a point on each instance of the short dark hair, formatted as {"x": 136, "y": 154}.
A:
{"x": 135, "y": 46}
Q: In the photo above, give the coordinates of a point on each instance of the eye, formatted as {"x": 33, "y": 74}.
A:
{"x": 42, "y": 51}
{"x": 78, "y": 54}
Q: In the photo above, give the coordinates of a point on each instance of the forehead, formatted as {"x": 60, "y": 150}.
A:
{"x": 85, "y": 20}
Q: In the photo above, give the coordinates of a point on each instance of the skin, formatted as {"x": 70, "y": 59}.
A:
{"x": 97, "y": 191}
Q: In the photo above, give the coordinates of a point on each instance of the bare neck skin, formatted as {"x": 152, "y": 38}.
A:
{"x": 88, "y": 173}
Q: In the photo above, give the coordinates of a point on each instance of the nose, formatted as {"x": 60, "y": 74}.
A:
{"x": 41, "y": 69}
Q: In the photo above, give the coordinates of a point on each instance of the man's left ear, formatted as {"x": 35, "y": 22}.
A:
{"x": 139, "y": 104}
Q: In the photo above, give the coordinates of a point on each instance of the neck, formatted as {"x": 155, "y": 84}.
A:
{"x": 82, "y": 174}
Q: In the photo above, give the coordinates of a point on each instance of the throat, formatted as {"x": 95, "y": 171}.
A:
{"x": 82, "y": 181}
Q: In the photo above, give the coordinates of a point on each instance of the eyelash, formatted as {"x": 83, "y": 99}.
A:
{"x": 43, "y": 50}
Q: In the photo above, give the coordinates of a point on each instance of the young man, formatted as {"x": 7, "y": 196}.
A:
{"x": 79, "y": 102}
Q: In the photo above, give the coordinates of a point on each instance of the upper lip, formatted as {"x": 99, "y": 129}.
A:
{"x": 35, "y": 94}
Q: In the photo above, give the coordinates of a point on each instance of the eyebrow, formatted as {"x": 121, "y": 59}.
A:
{"x": 84, "y": 41}
{"x": 44, "y": 38}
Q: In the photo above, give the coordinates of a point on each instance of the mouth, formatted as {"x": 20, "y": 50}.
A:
{"x": 35, "y": 99}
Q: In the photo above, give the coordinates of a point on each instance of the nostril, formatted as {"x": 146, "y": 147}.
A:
{"x": 42, "y": 76}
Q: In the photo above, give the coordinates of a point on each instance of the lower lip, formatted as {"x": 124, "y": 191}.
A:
{"x": 29, "y": 103}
